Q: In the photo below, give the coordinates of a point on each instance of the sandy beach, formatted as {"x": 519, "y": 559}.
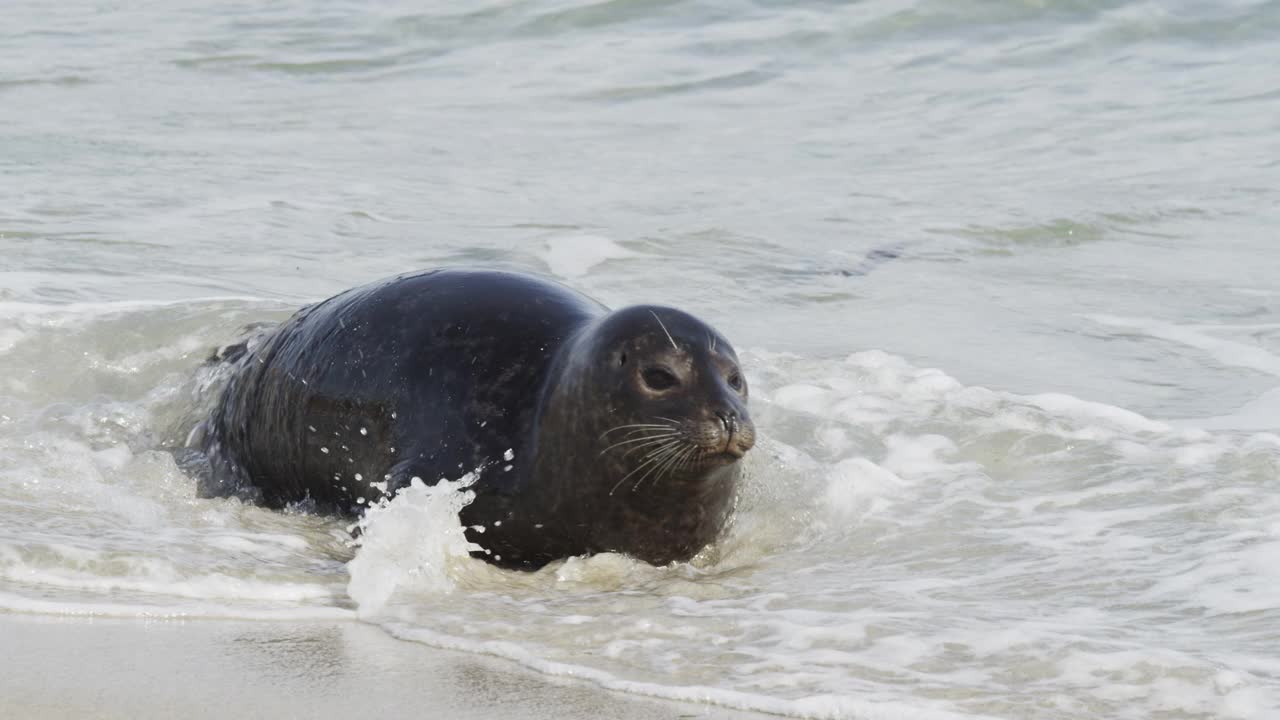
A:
{"x": 136, "y": 669}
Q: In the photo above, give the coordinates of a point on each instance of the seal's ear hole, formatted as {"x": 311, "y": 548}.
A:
{"x": 622, "y": 359}
{"x": 659, "y": 379}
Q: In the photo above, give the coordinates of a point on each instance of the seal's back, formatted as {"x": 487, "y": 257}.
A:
{"x": 428, "y": 375}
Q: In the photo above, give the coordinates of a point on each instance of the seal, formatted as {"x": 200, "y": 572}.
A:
{"x": 586, "y": 430}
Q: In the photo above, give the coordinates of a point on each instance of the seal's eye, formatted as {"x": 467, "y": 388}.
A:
{"x": 622, "y": 359}
{"x": 657, "y": 378}
{"x": 735, "y": 381}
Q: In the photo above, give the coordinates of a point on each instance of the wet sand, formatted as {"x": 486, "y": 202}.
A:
{"x": 55, "y": 667}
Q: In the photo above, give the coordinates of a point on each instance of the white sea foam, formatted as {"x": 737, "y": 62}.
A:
{"x": 409, "y": 543}
{"x": 571, "y": 256}
{"x": 819, "y": 707}
{"x": 858, "y": 485}
{"x": 71, "y": 568}
{"x": 13, "y": 602}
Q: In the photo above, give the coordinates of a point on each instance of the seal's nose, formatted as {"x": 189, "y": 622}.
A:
{"x": 732, "y": 433}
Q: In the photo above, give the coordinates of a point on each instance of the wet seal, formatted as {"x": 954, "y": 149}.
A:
{"x": 589, "y": 430}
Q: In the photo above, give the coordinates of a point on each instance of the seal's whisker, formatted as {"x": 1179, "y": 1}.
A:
{"x": 692, "y": 453}
{"x": 652, "y": 454}
{"x": 653, "y": 457}
{"x": 664, "y": 329}
{"x": 660, "y": 462}
{"x": 645, "y": 439}
{"x": 648, "y": 460}
{"x": 642, "y": 426}
{"x": 689, "y": 455}
{"x": 665, "y": 470}
{"x": 666, "y": 467}
{"x": 684, "y": 461}
{"x": 634, "y": 425}
{"x": 636, "y": 432}
{"x": 663, "y": 443}
{"x": 650, "y": 434}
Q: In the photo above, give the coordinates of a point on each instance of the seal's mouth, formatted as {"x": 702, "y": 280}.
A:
{"x": 716, "y": 458}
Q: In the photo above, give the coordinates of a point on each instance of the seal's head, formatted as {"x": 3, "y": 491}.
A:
{"x": 644, "y": 424}
{"x": 670, "y": 398}
{"x": 677, "y": 396}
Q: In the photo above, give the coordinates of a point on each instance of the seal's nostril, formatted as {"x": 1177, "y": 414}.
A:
{"x": 728, "y": 420}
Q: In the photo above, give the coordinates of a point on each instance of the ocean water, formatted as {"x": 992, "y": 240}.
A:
{"x": 1002, "y": 275}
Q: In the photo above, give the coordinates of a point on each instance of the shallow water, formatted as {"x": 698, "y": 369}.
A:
{"x": 1001, "y": 273}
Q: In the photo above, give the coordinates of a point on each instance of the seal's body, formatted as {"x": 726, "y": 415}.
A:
{"x": 589, "y": 430}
